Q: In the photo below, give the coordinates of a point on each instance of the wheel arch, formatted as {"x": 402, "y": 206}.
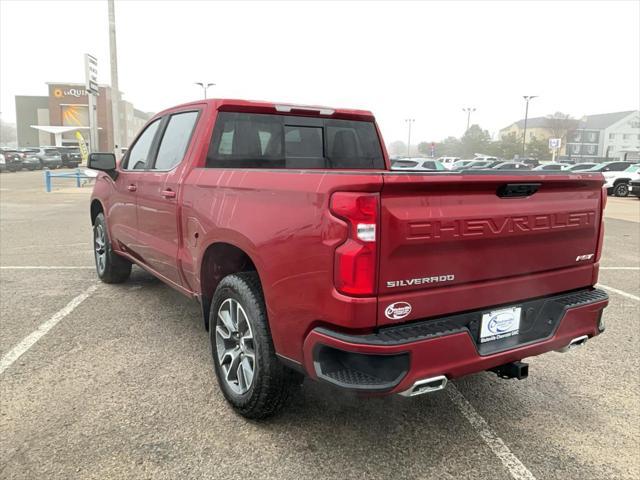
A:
{"x": 621, "y": 180}
{"x": 96, "y": 208}
{"x": 219, "y": 260}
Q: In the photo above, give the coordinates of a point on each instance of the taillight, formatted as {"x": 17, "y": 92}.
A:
{"x": 356, "y": 258}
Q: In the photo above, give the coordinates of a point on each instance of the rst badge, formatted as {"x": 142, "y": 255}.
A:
{"x": 397, "y": 310}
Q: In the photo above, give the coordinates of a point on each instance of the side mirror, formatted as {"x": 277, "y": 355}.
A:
{"x": 105, "y": 162}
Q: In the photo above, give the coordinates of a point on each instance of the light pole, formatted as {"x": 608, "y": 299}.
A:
{"x": 468, "y": 110}
{"x": 409, "y": 121}
{"x": 205, "y": 86}
{"x": 526, "y": 116}
{"x": 115, "y": 89}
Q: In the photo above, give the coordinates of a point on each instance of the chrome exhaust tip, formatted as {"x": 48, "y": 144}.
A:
{"x": 575, "y": 343}
{"x": 428, "y": 385}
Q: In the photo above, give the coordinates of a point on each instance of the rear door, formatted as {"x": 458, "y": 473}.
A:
{"x": 158, "y": 190}
{"x": 450, "y": 243}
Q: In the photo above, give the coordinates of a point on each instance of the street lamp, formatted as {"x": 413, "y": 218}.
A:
{"x": 409, "y": 121}
{"x": 205, "y": 86}
{"x": 526, "y": 115}
{"x": 468, "y": 110}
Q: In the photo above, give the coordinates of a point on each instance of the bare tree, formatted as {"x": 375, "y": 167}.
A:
{"x": 7, "y": 133}
{"x": 559, "y": 124}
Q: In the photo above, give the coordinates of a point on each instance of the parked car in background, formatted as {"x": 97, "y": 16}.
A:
{"x": 460, "y": 164}
{"x": 532, "y": 162}
{"x": 426, "y": 164}
{"x": 11, "y": 160}
{"x": 511, "y": 166}
{"x": 478, "y": 164}
{"x": 485, "y": 158}
{"x": 634, "y": 188}
{"x": 70, "y": 156}
{"x": 617, "y": 183}
{"x": 49, "y": 157}
{"x": 610, "y": 167}
{"x": 3, "y": 163}
{"x": 448, "y": 161}
{"x": 552, "y": 166}
{"x": 29, "y": 160}
{"x": 578, "y": 167}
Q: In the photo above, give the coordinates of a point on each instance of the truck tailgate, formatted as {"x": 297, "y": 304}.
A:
{"x": 451, "y": 242}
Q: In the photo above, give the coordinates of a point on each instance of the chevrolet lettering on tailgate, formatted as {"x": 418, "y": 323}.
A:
{"x": 499, "y": 226}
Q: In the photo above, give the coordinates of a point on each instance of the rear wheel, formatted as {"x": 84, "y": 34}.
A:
{"x": 621, "y": 189}
{"x": 251, "y": 378}
{"x": 110, "y": 267}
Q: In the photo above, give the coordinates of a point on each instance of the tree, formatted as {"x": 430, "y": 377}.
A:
{"x": 559, "y": 124}
{"x": 538, "y": 148}
{"x": 510, "y": 146}
{"x": 475, "y": 140}
{"x": 397, "y": 148}
{"x": 424, "y": 148}
{"x": 7, "y": 133}
{"x": 449, "y": 147}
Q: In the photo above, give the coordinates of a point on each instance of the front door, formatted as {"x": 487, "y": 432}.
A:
{"x": 123, "y": 215}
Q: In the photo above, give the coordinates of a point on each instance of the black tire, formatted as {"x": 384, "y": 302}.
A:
{"x": 621, "y": 189}
{"x": 110, "y": 267}
{"x": 271, "y": 382}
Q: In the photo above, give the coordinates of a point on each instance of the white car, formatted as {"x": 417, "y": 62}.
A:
{"x": 485, "y": 158}
{"x": 617, "y": 183}
{"x": 448, "y": 161}
{"x": 421, "y": 164}
{"x": 552, "y": 166}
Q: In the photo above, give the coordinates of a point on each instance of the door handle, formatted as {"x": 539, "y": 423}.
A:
{"x": 132, "y": 188}
{"x": 168, "y": 193}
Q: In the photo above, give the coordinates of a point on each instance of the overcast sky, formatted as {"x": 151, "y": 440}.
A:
{"x": 420, "y": 60}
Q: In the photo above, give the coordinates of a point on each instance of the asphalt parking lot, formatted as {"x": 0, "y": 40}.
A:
{"x": 122, "y": 386}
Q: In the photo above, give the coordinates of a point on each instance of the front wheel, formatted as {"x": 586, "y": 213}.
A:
{"x": 251, "y": 378}
{"x": 110, "y": 267}
{"x": 621, "y": 190}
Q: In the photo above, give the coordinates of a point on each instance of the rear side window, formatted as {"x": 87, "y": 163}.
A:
{"x": 175, "y": 140}
{"x": 247, "y": 140}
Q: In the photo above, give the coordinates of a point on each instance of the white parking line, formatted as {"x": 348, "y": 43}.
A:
{"x": 515, "y": 467}
{"x": 619, "y": 268}
{"x": 45, "y": 267}
{"x": 619, "y": 292}
{"x": 42, "y": 330}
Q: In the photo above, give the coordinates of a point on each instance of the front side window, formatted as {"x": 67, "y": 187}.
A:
{"x": 175, "y": 140}
{"x": 247, "y": 140}
{"x": 139, "y": 153}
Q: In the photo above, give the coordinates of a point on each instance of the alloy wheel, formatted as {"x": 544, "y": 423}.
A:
{"x": 235, "y": 347}
{"x": 622, "y": 190}
{"x": 99, "y": 243}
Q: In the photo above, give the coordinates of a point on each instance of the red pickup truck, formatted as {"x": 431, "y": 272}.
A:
{"x": 309, "y": 255}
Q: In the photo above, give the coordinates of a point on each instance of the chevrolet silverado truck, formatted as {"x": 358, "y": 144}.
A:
{"x": 309, "y": 256}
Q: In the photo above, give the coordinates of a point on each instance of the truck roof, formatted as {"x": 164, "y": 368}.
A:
{"x": 258, "y": 106}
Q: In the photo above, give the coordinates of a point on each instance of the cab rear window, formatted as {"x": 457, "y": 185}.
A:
{"x": 248, "y": 140}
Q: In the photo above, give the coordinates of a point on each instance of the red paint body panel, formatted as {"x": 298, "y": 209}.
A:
{"x": 499, "y": 250}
